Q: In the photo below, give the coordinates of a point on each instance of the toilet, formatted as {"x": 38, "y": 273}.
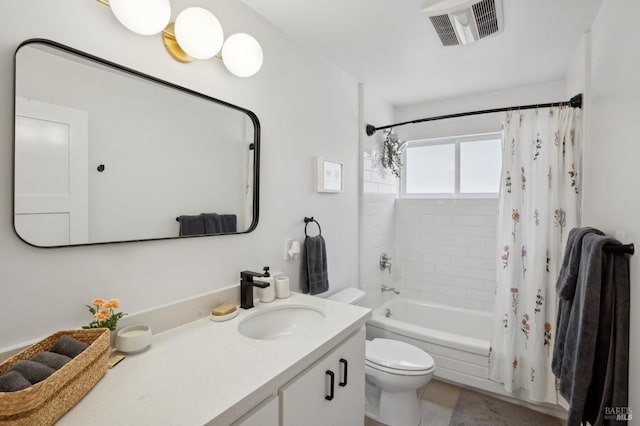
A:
{"x": 394, "y": 372}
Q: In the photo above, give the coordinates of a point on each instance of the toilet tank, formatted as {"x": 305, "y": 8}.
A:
{"x": 350, "y": 295}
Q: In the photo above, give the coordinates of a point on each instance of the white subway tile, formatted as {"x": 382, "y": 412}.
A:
{"x": 483, "y": 274}
{"x": 450, "y": 291}
{"x": 468, "y": 261}
{"x": 481, "y": 231}
{"x": 468, "y": 220}
{"x": 485, "y": 296}
{"x": 453, "y": 271}
{"x": 437, "y": 219}
{"x": 370, "y": 187}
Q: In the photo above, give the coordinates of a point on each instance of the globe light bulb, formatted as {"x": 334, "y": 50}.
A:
{"x": 242, "y": 55}
{"x": 199, "y": 33}
{"x": 144, "y": 17}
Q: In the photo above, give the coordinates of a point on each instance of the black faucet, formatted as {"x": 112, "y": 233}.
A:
{"x": 246, "y": 286}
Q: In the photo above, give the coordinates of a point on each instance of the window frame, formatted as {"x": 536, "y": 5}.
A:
{"x": 448, "y": 140}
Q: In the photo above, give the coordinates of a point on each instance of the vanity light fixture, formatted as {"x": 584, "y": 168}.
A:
{"x": 196, "y": 34}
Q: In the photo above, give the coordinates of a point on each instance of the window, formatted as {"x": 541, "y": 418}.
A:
{"x": 463, "y": 166}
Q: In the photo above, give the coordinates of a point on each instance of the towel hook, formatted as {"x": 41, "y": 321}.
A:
{"x": 307, "y": 220}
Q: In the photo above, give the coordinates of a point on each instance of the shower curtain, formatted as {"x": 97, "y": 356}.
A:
{"x": 539, "y": 204}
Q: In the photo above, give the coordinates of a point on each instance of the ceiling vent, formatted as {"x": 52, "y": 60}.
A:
{"x": 464, "y": 21}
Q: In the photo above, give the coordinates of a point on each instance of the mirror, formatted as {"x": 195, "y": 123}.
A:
{"x": 106, "y": 154}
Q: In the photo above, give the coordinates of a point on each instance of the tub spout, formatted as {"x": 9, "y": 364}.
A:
{"x": 386, "y": 288}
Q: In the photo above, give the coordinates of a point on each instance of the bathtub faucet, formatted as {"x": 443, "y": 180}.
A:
{"x": 385, "y": 262}
{"x": 386, "y": 288}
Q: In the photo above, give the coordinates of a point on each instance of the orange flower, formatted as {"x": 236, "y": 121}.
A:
{"x": 102, "y": 314}
{"x": 112, "y": 304}
{"x": 98, "y": 302}
{"x": 547, "y": 327}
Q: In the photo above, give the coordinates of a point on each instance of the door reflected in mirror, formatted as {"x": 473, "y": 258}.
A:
{"x": 106, "y": 154}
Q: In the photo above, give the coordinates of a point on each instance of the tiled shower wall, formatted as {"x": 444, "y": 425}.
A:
{"x": 445, "y": 251}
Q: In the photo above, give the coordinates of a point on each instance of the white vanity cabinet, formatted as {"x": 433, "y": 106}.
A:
{"x": 311, "y": 400}
{"x": 265, "y": 414}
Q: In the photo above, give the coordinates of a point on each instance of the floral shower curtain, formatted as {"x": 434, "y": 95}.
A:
{"x": 539, "y": 204}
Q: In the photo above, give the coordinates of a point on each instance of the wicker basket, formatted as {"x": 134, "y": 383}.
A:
{"x": 45, "y": 402}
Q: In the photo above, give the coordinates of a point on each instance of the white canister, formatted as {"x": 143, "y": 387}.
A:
{"x": 282, "y": 287}
{"x": 267, "y": 294}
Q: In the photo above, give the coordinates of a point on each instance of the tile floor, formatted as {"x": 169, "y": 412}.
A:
{"x": 438, "y": 402}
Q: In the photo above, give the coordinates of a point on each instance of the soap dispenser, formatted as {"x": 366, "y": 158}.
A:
{"x": 267, "y": 294}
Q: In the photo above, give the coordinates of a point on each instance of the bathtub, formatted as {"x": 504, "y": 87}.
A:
{"x": 457, "y": 339}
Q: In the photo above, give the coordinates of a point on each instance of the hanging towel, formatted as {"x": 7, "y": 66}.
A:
{"x": 315, "y": 278}
{"x": 591, "y": 347}
{"x": 229, "y": 222}
{"x": 219, "y": 223}
{"x": 566, "y": 287}
{"x": 191, "y": 225}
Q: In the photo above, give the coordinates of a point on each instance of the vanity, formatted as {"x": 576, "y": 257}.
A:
{"x": 207, "y": 372}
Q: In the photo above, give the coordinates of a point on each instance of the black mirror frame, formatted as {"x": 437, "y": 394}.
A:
{"x": 251, "y": 114}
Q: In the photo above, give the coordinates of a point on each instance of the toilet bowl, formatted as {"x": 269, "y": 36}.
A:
{"x": 394, "y": 371}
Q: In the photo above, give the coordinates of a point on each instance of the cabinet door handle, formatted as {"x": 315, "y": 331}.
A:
{"x": 344, "y": 362}
{"x": 332, "y": 376}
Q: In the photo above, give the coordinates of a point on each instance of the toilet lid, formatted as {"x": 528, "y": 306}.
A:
{"x": 398, "y": 355}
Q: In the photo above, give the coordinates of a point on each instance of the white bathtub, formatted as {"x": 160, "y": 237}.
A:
{"x": 457, "y": 339}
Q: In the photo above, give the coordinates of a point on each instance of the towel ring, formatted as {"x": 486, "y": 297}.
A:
{"x": 307, "y": 220}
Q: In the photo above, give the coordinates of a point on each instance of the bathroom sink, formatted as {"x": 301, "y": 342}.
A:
{"x": 281, "y": 322}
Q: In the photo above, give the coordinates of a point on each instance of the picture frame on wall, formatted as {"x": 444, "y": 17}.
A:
{"x": 329, "y": 177}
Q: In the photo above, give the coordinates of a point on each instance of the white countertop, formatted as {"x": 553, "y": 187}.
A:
{"x": 207, "y": 372}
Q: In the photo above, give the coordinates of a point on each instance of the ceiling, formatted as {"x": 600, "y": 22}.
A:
{"x": 391, "y": 48}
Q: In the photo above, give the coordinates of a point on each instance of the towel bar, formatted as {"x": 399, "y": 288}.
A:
{"x": 307, "y": 220}
{"x": 620, "y": 248}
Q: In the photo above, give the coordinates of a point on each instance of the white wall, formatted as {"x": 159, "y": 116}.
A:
{"x": 377, "y": 200}
{"x": 539, "y": 93}
{"x": 306, "y": 107}
{"x": 611, "y": 201}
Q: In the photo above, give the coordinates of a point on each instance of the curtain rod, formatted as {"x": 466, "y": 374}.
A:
{"x": 575, "y": 102}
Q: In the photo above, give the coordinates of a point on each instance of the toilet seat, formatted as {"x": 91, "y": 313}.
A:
{"x": 397, "y": 372}
{"x": 395, "y": 357}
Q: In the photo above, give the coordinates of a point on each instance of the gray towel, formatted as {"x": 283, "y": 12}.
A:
{"x": 33, "y": 371}
{"x": 582, "y": 325}
{"x": 610, "y": 383}
{"x": 315, "y": 277}
{"x": 566, "y": 288}
{"x": 566, "y": 284}
{"x": 67, "y": 345}
{"x": 219, "y": 223}
{"x": 13, "y": 381}
{"x": 229, "y": 222}
{"x": 191, "y": 225}
{"x": 51, "y": 359}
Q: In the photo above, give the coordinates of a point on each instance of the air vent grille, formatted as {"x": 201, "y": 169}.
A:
{"x": 486, "y": 19}
{"x": 445, "y": 30}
